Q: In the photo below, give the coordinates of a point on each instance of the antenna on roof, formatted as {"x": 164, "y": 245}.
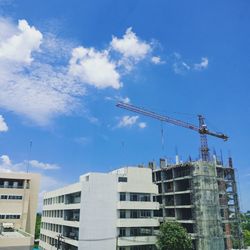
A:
{"x": 29, "y": 153}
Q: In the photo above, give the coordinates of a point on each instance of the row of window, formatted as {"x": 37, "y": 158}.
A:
{"x": 51, "y": 227}
{"x": 144, "y": 247}
{"x": 53, "y": 213}
{"x": 48, "y": 240}
{"x": 134, "y": 197}
{"x": 11, "y": 197}
{"x": 54, "y": 200}
{"x": 10, "y": 216}
{"x": 136, "y": 231}
{"x": 12, "y": 183}
{"x": 135, "y": 214}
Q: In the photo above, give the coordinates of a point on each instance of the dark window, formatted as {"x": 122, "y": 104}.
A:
{"x": 122, "y": 179}
{"x": 122, "y": 232}
{"x": 122, "y": 214}
{"x": 134, "y": 197}
{"x": 122, "y": 196}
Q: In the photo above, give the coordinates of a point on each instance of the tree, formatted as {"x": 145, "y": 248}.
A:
{"x": 246, "y": 234}
{"x": 38, "y": 225}
{"x": 172, "y": 236}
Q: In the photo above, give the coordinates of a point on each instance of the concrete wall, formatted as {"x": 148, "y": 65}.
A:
{"x": 98, "y": 212}
{"x": 25, "y": 243}
{"x": 26, "y": 207}
{"x": 207, "y": 209}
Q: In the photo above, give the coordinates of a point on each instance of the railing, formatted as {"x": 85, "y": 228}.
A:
{"x": 8, "y": 186}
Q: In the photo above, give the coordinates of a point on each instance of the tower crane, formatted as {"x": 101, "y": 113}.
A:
{"x": 201, "y": 129}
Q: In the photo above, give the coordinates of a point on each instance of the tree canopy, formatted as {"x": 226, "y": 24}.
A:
{"x": 172, "y": 236}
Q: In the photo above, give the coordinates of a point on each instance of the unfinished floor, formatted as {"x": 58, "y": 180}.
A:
{"x": 202, "y": 196}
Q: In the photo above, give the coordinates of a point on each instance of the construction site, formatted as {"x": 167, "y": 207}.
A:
{"x": 202, "y": 194}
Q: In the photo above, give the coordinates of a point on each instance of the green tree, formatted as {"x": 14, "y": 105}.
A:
{"x": 38, "y": 225}
{"x": 246, "y": 234}
{"x": 172, "y": 236}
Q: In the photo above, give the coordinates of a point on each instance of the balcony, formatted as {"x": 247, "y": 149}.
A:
{"x": 72, "y": 215}
{"x": 73, "y": 198}
{"x": 71, "y": 232}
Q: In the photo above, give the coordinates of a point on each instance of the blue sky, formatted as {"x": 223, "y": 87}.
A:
{"x": 64, "y": 65}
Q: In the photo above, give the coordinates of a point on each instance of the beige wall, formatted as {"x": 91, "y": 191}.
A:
{"x": 26, "y": 207}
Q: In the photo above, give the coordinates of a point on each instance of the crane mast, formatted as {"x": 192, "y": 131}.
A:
{"x": 201, "y": 129}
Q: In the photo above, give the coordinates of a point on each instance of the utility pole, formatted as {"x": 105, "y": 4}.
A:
{"x": 59, "y": 241}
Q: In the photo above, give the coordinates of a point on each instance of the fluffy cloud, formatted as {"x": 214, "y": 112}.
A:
{"x": 6, "y": 165}
{"x": 3, "y": 125}
{"x": 129, "y": 121}
{"x": 202, "y": 65}
{"x": 44, "y": 166}
{"x": 94, "y": 68}
{"x": 156, "y": 60}
{"x": 130, "y": 46}
{"x": 29, "y": 86}
{"x": 42, "y": 76}
{"x": 19, "y": 47}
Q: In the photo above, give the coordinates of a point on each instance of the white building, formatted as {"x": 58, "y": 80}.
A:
{"x": 18, "y": 206}
{"x": 102, "y": 212}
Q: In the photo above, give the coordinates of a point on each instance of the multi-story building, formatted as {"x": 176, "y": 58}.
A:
{"x": 105, "y": 211}
{"x": 18, "y": 206}
{"x": 203, "y": 197}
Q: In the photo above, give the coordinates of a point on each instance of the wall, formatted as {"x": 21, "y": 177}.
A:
{"x": 98, "y": 212}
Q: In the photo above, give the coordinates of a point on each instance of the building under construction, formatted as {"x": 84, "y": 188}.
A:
{"x": 203, "y": 197}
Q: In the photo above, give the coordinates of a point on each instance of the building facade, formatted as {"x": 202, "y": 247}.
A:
{"x": 18, "y": 206}
{"x": 102, "y": 211}
{"x": 203, "y": 197}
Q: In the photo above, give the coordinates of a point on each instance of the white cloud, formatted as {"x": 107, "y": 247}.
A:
{"x": 42, "y": 76}
{"x": 3, "y": 125}
{"x": 157, "y": 60}
{"x": 118, "y": 98}
{"x": 6, "y": 165}
{"x": 44, "y": 166}
{"x": 127, "y": 121}
{"x": 38, "y": 90}
{"x": 94, "y": 68}
{"x": 142, "y": 125}
{"x": 19, "y": 46}
{"x": 180, "y": 66}
{"x": 130, "y": 46}
{"x": 202, "y": 65}
{"x": 125, "y": 100}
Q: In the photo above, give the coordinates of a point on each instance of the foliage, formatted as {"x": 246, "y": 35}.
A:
{"x": 172, "y": 236}
{"x": 246, "y": 234}
{"x": 38, "y": 225}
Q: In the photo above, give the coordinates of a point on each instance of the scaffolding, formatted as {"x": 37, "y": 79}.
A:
{"x": 203, "y": 197}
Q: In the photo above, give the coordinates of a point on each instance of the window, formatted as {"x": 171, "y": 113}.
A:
{"x": 122, "y": 214}
{"x": 15, "y": 197}
{"x": 122, "y": 196}
{"x": 139, "y": 197}
{"x": 122, "y": 179}
{"x": 4, "y": 197}
{"x": 122, "y": 232}
{"x": 12, "y": 216}
{"x": 134, "y": 197}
